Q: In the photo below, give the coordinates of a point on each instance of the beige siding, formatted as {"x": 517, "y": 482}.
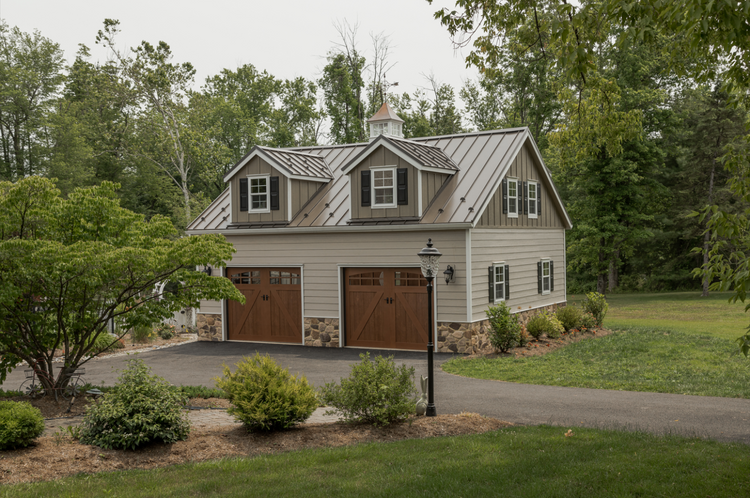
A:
{"x": 521, "y": 249}
{"x": 383, "y": 157}
{"x": 431, "y": 183}
{"x": 321, "y": 255}
{"x": 524, "y": 168}
{"x": 302, "y": 191}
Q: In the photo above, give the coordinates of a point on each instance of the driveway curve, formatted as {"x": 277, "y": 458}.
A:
{"x": 198, "y": 363}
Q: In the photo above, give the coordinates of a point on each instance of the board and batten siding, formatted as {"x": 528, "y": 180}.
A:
{"x": 322, "y": 254}
{"x": 524, "y": 168}
{"x": 302, "y": 192}
{"x": 431, "y": 183}
{"x": 383, "y": 157}
{"x": 520, "y": 249}
{"x": 257, "y": 166}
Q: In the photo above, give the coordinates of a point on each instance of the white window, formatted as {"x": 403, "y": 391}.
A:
{"x": 378, "y": 129}
{"x": 384, "y": 188}
{"x": 512, "y": 198}
{"x": 258, "y": 193}
{"x": 546, "y": 275}
{"x": 531, "y": 195}
{"x": 498, "y": 281}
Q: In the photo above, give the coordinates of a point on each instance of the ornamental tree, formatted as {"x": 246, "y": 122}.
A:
{"x": 70, "y": 266}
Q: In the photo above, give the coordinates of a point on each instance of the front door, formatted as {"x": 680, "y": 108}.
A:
{"x": 386, "y": 308}
{"x": 273, "y": 305}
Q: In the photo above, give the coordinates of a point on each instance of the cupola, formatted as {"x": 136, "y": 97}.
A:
{"x": 385, "y": 122}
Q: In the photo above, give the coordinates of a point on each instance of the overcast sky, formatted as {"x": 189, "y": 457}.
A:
{"x": 286, "y": 38}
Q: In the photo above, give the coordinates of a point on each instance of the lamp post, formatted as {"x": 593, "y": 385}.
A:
{"x": 429, "y": 257}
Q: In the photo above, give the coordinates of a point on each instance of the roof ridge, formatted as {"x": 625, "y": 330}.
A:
{"x": 291, "y": 151}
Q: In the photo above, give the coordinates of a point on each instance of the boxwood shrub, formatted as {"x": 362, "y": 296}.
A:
{"x": 265, "y": 396}
{"x": 545, "y": 323}
{"x": 376, "y": 392}
{"x": 140, "y": 409}
{"x": 20, "y": 424}
{"x": 570, "y": 317}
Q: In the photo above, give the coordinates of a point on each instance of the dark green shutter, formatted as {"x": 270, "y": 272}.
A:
{"x": 539, "y": 276}
{"x": 274, "y": 193}
{"x": 551, "y": 276}
{"x": 243, "y": 194}
{"x": 365, "y": 185}
{"x": 401, "y": 186}
{"x": 539, "y": 199}
{"x": 505, "y": 196}
{"x": 492, "y": 284}
{"x": 507, "y": 282}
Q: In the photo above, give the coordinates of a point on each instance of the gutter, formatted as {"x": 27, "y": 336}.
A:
{"x": 417, "y": 227}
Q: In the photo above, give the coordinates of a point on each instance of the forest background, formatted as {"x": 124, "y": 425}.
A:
{"x": 634, "y": 150}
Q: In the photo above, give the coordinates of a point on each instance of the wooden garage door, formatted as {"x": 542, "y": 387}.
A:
{"x": 273, "y": 305}
{"x": 386, "y": 308}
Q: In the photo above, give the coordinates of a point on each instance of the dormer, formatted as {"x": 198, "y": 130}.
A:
{"x": 268, "y": 187}
{"x": 385, "y": 122}
{"x": 394, "y": 180}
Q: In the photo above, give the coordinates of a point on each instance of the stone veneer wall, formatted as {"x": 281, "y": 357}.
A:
{"x": 469, "y": 338}
{"x": 209, "y": 327}
{"x": 322, "y": 332}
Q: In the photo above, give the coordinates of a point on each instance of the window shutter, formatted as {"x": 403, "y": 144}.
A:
{"x": 525, "y": 195}
{"x": 274, "y": 193}
{"x": 401, "y": 186}
{"x": 243, "y": 194}
{"x": 505, "y": 196}
{"x": 539, "y": 276}
{"x": 365, "y": 196}
{"x": 492, "y": 284}
{"x": 551, "y": 276}
{"x": 507, "y": 282}
{"x": 539, "y": 200}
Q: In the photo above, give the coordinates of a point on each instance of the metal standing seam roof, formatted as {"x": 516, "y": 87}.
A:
{"x": 482, "y": 159}
{"x": 426, "y": 156}
{"x": 294, "y": 163}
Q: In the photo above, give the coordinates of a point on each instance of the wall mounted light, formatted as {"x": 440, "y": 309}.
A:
{"x": 449, "y": 273}
{"x": 207, "y": 270}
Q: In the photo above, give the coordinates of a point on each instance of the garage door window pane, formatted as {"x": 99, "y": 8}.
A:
{"x": 369, "y": 278}
{"x": 408, "y": 279}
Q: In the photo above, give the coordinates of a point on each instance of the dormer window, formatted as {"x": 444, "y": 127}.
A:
{"x": 259, "y": 193}
{"x": 384, "y": 186}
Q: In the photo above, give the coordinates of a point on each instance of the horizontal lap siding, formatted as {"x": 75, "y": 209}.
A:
{"x": 321, "y": 255}
{"x": 521, "y": 249}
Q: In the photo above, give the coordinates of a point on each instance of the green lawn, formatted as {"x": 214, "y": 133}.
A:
{"x": 637, "y": 359}
{"x": 680, "y": 311}
{"x": 518, "y": 461}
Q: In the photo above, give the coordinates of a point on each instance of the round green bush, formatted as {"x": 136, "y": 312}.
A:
{"x": 588, "y": 321}
{"x": 265, "y": 397}
{"x": 536, "y": 326}
{"x": 505, "y": 331}
{"x": 570, "y": 317}
{"x": 545, "y": 323}
{"x": 376, "y": 392}
{"x": 140, "y": 409}
{"x": 20, "y": 424}
{"x": 597, "y": 305}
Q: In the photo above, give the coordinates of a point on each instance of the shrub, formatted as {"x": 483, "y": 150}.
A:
{"x": 142, "y": 333}
{"x": 570, "y": 317}
{"x": 588, "y": 321}
{"x": 140, "y": 409}
{"x": 20, "y": 424}
{"x": 597, "y": 305}
{"x": 203, "y": 392}
{"x": 165, "y": 331}
{"x": 265, "y": 397}
{"x": 376, "y": 392}
{"x": 545, "y": 323}
{"x": 505, "y": 331}
{"x": 106, "y": 342}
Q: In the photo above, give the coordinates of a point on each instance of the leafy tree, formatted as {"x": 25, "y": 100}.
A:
{"x": 70, "y": 266}
{"x": 30, "y": 79}
{"x": 414, "y": 110}
{"x": 342, "y": 95}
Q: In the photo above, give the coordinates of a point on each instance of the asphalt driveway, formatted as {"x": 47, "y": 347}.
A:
{"x": 722, "y": 419}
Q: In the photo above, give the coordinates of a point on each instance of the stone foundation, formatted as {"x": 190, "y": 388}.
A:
{"x": 209, "y": 327}
{"x": 322, "y": 332}
{"x": 469, "y": 338}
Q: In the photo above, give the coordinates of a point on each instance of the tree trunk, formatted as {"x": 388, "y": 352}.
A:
{"x": 706, "y": 234}
{"x": 614, "y": 275}
{"x": 601, "y": 280}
